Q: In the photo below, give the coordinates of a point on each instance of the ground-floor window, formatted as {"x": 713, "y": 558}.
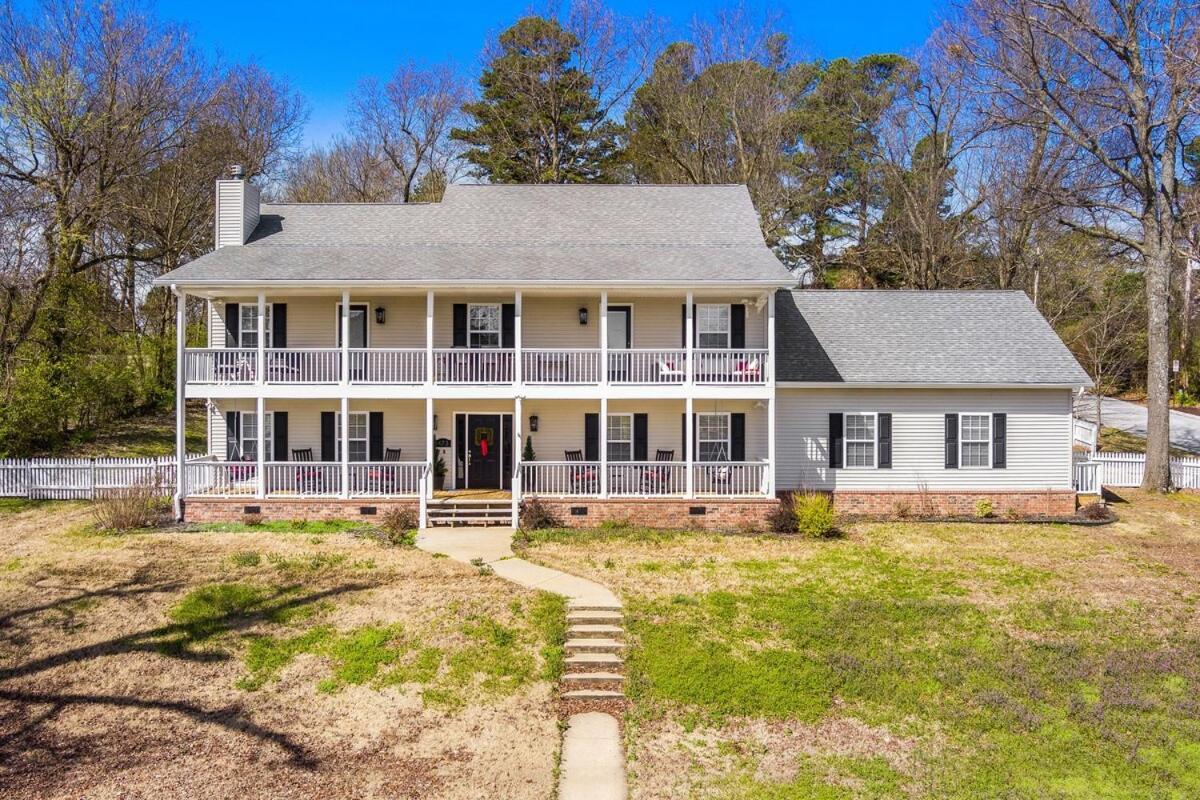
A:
{"x": 712, "y": 437}
{"x": 975, "y": 440}
{"x": 249, "y": 443}
{"x": 860, "y": 441}
{"x": 357, "y": 436}
{"x": 620, "y": 437}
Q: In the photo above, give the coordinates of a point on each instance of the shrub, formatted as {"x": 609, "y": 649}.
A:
{"x": 984, "y": 508}
{"x": 901, "y": 509}
{"x": 535, "y": 516}
{"x": 252, "y": 520}
{"x": 139, "y": 506}
{"x": 1013, "y": 513}
{"x": 399, "y": 527}
{"x": 814, "y": 515}
{"x": 1096, "y": 511}
{"x": 783, "y": 518}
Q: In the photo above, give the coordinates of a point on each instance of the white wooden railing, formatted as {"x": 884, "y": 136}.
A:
{"x": 378, "y": 365}
{"x": 647, "y": 366}
{"x": 647, "y": 478}
{"x": 305, "y": 478}
{"x": 1084, "y": 433}
{"x": 560, "y": 478}
{"x": 560, "y": 366}
{"x": 304, "y": 365}
{"x": 386, "y": 479}
{"x": 730, "y": 366}
{"x": 220, "y": 366}
{"x": 731, "y": 478}
{"x": 1087, "y": 477}
{"x": 221, "y": 478}
{"x": 459, "y": 365}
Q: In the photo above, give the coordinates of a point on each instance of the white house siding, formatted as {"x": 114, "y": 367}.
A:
{"x": 403, "y": 423}
{"x": 1038, "y": 453}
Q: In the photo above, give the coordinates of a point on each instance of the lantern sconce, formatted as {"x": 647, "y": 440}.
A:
{"x": 583, "y": 316}
{"x": 533, "y": 423}
{"x": 380, "y": 315}
{"x": 435, "y": 422}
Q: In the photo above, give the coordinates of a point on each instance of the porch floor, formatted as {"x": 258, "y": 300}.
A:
{"x": 472, "y": 494}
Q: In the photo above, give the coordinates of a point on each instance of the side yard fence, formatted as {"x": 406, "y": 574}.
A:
{"x": 1126, "y": 469}
{"x": 83, "y": 478}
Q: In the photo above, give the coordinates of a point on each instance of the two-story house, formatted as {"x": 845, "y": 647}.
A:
{"x": 620, "y": 352}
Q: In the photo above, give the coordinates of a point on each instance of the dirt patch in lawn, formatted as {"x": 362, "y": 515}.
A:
{"x": 259, "y": 664}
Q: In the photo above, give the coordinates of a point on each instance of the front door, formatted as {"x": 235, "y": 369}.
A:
{"x": 484, "y": 446}
{"x": 358, "y": 336}
{"x": 620, "y": 336}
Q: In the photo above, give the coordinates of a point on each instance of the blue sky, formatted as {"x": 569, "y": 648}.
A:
{"x": 325, "y": 48}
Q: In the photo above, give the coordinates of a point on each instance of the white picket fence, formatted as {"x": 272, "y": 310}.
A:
{"x": 1085, "y": 433}
{"x": 1126, "y": 469}
{"x": 82, "y": 478}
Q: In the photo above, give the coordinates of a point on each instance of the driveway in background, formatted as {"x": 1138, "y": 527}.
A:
{"x": 1131, "y": 418}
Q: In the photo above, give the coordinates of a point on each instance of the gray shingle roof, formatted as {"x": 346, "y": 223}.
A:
{"x": 550, "y": 234}
{"x": 919, "y": 337}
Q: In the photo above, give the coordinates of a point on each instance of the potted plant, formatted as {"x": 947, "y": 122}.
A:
{"x": 527, "y": 455}
{"x": 439, "y": 470}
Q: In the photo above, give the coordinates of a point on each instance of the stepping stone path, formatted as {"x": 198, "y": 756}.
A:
{"x": 594, "y": 668}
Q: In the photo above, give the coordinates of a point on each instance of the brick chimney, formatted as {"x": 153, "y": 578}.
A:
{"x": 237, "y": 208}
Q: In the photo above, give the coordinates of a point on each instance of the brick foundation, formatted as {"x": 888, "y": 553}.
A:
{"x": 896, "y": 503}
{"x": 221, "y": 509}
{"x": 665, "y": 512}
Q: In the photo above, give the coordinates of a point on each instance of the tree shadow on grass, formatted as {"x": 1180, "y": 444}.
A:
{"x": 182, "y": 639}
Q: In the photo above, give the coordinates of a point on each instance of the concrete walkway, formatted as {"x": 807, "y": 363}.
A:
{"x": 494, "y": 547}
{"x": 593, "y": 764}
{"x": 1131, "y": 418}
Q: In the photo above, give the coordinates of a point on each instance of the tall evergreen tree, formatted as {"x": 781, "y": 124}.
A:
{"x": 538, "y": 119}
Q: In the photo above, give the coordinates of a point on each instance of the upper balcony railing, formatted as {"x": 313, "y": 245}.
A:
{"x": 558, "y": 366}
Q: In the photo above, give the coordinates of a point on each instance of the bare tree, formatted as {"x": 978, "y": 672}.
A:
{"x": 349, "y": 171}
{"x": 1118, "y": 81}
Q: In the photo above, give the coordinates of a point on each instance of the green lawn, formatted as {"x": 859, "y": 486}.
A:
{"x": 908, "y": 660}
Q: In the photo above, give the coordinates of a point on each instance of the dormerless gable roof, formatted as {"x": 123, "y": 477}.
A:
{"x": 919, "y": 338}
{"x": 499, "y": 234}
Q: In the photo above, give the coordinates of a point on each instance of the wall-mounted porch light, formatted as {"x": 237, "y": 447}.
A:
{"x": 380, "y": 315}
{"x": 583, "y": 316}
{"x": 533, "y": 422}
{"x": 435, "y": 422}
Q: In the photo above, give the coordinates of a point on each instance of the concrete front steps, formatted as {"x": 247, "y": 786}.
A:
{"x": 460, "y": 512}
{"x": 594, "y": 668}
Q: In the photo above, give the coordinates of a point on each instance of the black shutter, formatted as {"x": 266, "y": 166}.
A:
{"x": 835, "y": 441}
{"x": 591, "y": 437}
{"x": 640, "y": 437}
{"x": 460, "y": 448}
{"x": 885, "y": 441}
{"x": 506, "y": 453}
{"x": 952, "y": 441}
{"x": 279, "y": 325}
{"x": 233, "y": 435}
{"x": 737, "y": 437}
{"x": 508, "y": 324}
{"x": 233, "y": 318}
{"x": 999, "y": 441}
{"x": 375, "y": 436}
{"x": 328, "y": 436}
{"x": 737, "y": 326}
{"x": 280, "y": 432}
{"x": 460, "y": 324}
{"x": 683, "y": 436}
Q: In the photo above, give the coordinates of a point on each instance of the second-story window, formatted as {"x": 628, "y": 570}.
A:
{"x": 712, "y": 327}
{"x": 248, "y": 325}
{"x": 483, "y": 325}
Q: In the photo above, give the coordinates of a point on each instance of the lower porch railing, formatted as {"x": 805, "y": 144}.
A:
{"x": 304, "y": 479}
{"x": 644, "y": 478}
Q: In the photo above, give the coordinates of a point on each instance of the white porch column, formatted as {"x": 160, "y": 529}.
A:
{"x": 429, "y": 337}
{"x": 689, "y": 419}
{"x": 518, "y": 376}
{"x": 345, "y": 355}
{"x": 771, "y": 338}
{"x": 770, "y": 483}
{"x": 180, "y": 401}
{"x": 518, "y": 444}
{"x": 771, "y": 407}
{"x": 344, "y": 436}
{"x": 260, "y": 412}
{"x": 689, "y": 336}
{"x": 604, "y": 338}
{"x": 603, "y": 436}
{"x": 261, "y": 321}
{"x": 429, "y": 449}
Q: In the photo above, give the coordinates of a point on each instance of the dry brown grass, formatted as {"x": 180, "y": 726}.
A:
{"x": 90, "y": 706}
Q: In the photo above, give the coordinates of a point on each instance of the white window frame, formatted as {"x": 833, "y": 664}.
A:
{"x": 609, "y": 441}
{"x": 987, "y": 441}
{"x": 726, "y": 443}
{"x": 365, "y": 438}
{"x": 252, "y": 330}
{"x": 499, "y": 327}
{"x": 846, "y": 440}
{"x": 268, "y": 434}
{"x": 727, "y": 332}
